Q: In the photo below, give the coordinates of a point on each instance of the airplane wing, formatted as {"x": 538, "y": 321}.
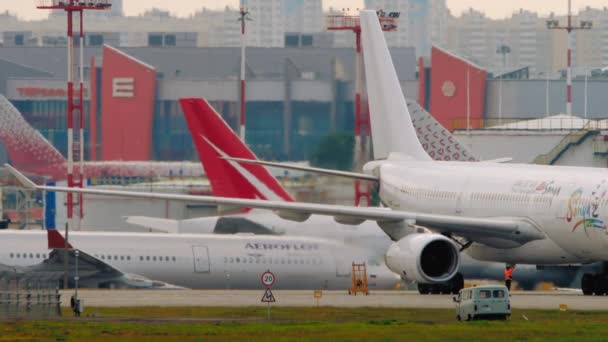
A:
{"x": 499, "y": 231}
{"x": 92, "y": 272}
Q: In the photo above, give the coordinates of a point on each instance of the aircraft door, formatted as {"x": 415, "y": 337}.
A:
{"x": 200, "y": 255}
{"x": 463, "y": 199}
{"x": 343, "y": 266}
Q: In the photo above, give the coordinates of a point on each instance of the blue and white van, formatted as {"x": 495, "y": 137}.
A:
{"x": 483, "y": 302}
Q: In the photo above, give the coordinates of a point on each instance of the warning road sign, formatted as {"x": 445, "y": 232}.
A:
{"x": 268, "y": 297}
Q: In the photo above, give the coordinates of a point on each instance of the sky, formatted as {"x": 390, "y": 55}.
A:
{"x": 25, "y": 9}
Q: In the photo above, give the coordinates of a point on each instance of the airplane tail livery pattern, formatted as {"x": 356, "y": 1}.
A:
{"x": 214, "y": 140}
{"x": 392, "y": 128}
{"x": 28, "y": 150}
{"x": 437, "y": 141}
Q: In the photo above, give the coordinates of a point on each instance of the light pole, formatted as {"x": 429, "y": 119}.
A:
{"x": 503, "y": 50}
{"x": 586, "y": 90}
{"x": 547, "y": 94}
{"x": 76, "y": 274}
{"x": 553, "y": 24}
{"x": 243, "y": 18}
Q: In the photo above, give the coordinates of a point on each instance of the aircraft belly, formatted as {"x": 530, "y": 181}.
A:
{"x": 538, "y": 252}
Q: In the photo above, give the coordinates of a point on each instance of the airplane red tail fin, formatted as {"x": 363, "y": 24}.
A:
{"x": 214, "y": 139}
{"x": 56, "y": 240}
{"x": 28, "y": 150}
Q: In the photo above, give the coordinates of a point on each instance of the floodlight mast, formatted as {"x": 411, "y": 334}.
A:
{"x": 243, "y": 18}
{"x": 75, "y": 105}
{"x": 553, "y": 24}
{"x": 346, "y": 22}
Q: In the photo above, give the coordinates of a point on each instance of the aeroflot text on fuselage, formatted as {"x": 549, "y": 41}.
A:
{"x": 283, "y": 246}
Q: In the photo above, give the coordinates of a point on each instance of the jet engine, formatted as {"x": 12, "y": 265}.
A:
{"x": 424, "y": 258}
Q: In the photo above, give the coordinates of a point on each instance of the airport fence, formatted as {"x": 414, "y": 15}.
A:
{"x": 29, "y": 296}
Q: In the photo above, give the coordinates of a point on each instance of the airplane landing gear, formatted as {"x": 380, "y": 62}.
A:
{"x": 452, "y": 286}
{"x": 594, "y": 284}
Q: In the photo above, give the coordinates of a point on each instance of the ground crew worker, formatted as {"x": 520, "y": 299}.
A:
{"x": 509, "y": 275}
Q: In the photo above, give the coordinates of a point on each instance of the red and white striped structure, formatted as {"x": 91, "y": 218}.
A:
{"x": 554, "y": 25}
{"x": 244, "y": 16}
{"x": 362, "y": 126}
{"x": 75, "y": 104}
{"x": 569, "y": 71}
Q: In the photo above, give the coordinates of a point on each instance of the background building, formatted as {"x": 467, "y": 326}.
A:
{"x": 422, "y": 23}
{"x": 295, "y": 96}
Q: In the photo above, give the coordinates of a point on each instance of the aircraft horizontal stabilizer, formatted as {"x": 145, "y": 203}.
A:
{"x": 25, "y": 182}
{"x": 154, "y": 223}
{"x": 346, "y": 174}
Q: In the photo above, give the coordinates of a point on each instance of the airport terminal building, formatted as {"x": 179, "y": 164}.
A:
{"x": 295, "y": 97}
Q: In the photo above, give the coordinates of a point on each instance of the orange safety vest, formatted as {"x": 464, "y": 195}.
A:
{"x": 509, "y": 273}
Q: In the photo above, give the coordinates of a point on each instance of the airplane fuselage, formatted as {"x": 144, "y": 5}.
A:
{"x": 144, "y": 169}
{"x": 568, "y": 204}
{"x": 211, "y": 261}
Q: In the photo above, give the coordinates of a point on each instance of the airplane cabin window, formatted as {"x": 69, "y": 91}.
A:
{"x": 154, "y": 258}
{"x": 174, "y": 259}
{"x": 122, "y": 257}
{"x": 32, "y": 255}
{"x": 128, "y": 257}
{"x": 141, "y": 258}
{"x": 38, "y": 255}
{"x": 11, "y": 255}
{"x": 147, "y": 258}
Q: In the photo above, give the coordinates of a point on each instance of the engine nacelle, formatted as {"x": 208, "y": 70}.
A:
{"x": 425, "y": 258}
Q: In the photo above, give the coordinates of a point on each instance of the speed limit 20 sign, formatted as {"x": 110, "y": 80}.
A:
{"x": 268, "y": 279}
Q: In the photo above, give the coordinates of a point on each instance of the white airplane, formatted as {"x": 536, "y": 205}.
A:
{"x": 31, "y": 152}
{"x": 201, "y": 261}
{"x": 528, "y": 214}
{"x": 214, "y": 140}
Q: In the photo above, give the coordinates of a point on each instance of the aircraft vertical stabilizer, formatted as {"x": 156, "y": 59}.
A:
{"x": 27, "y": 148}
{"x": 392, "y": 129}
{"x": 214, "y": 140}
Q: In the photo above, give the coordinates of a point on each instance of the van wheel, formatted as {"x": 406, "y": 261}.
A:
{"x": 469, "y": 317}
{"x": 458, "y": 318}
{"x": 423, "y": 288}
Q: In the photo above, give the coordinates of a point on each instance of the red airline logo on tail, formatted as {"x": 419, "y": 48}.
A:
{"x": 214, "y": 140}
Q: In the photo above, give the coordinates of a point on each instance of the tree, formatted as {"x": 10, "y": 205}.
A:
{"x": 335, "y": 152}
